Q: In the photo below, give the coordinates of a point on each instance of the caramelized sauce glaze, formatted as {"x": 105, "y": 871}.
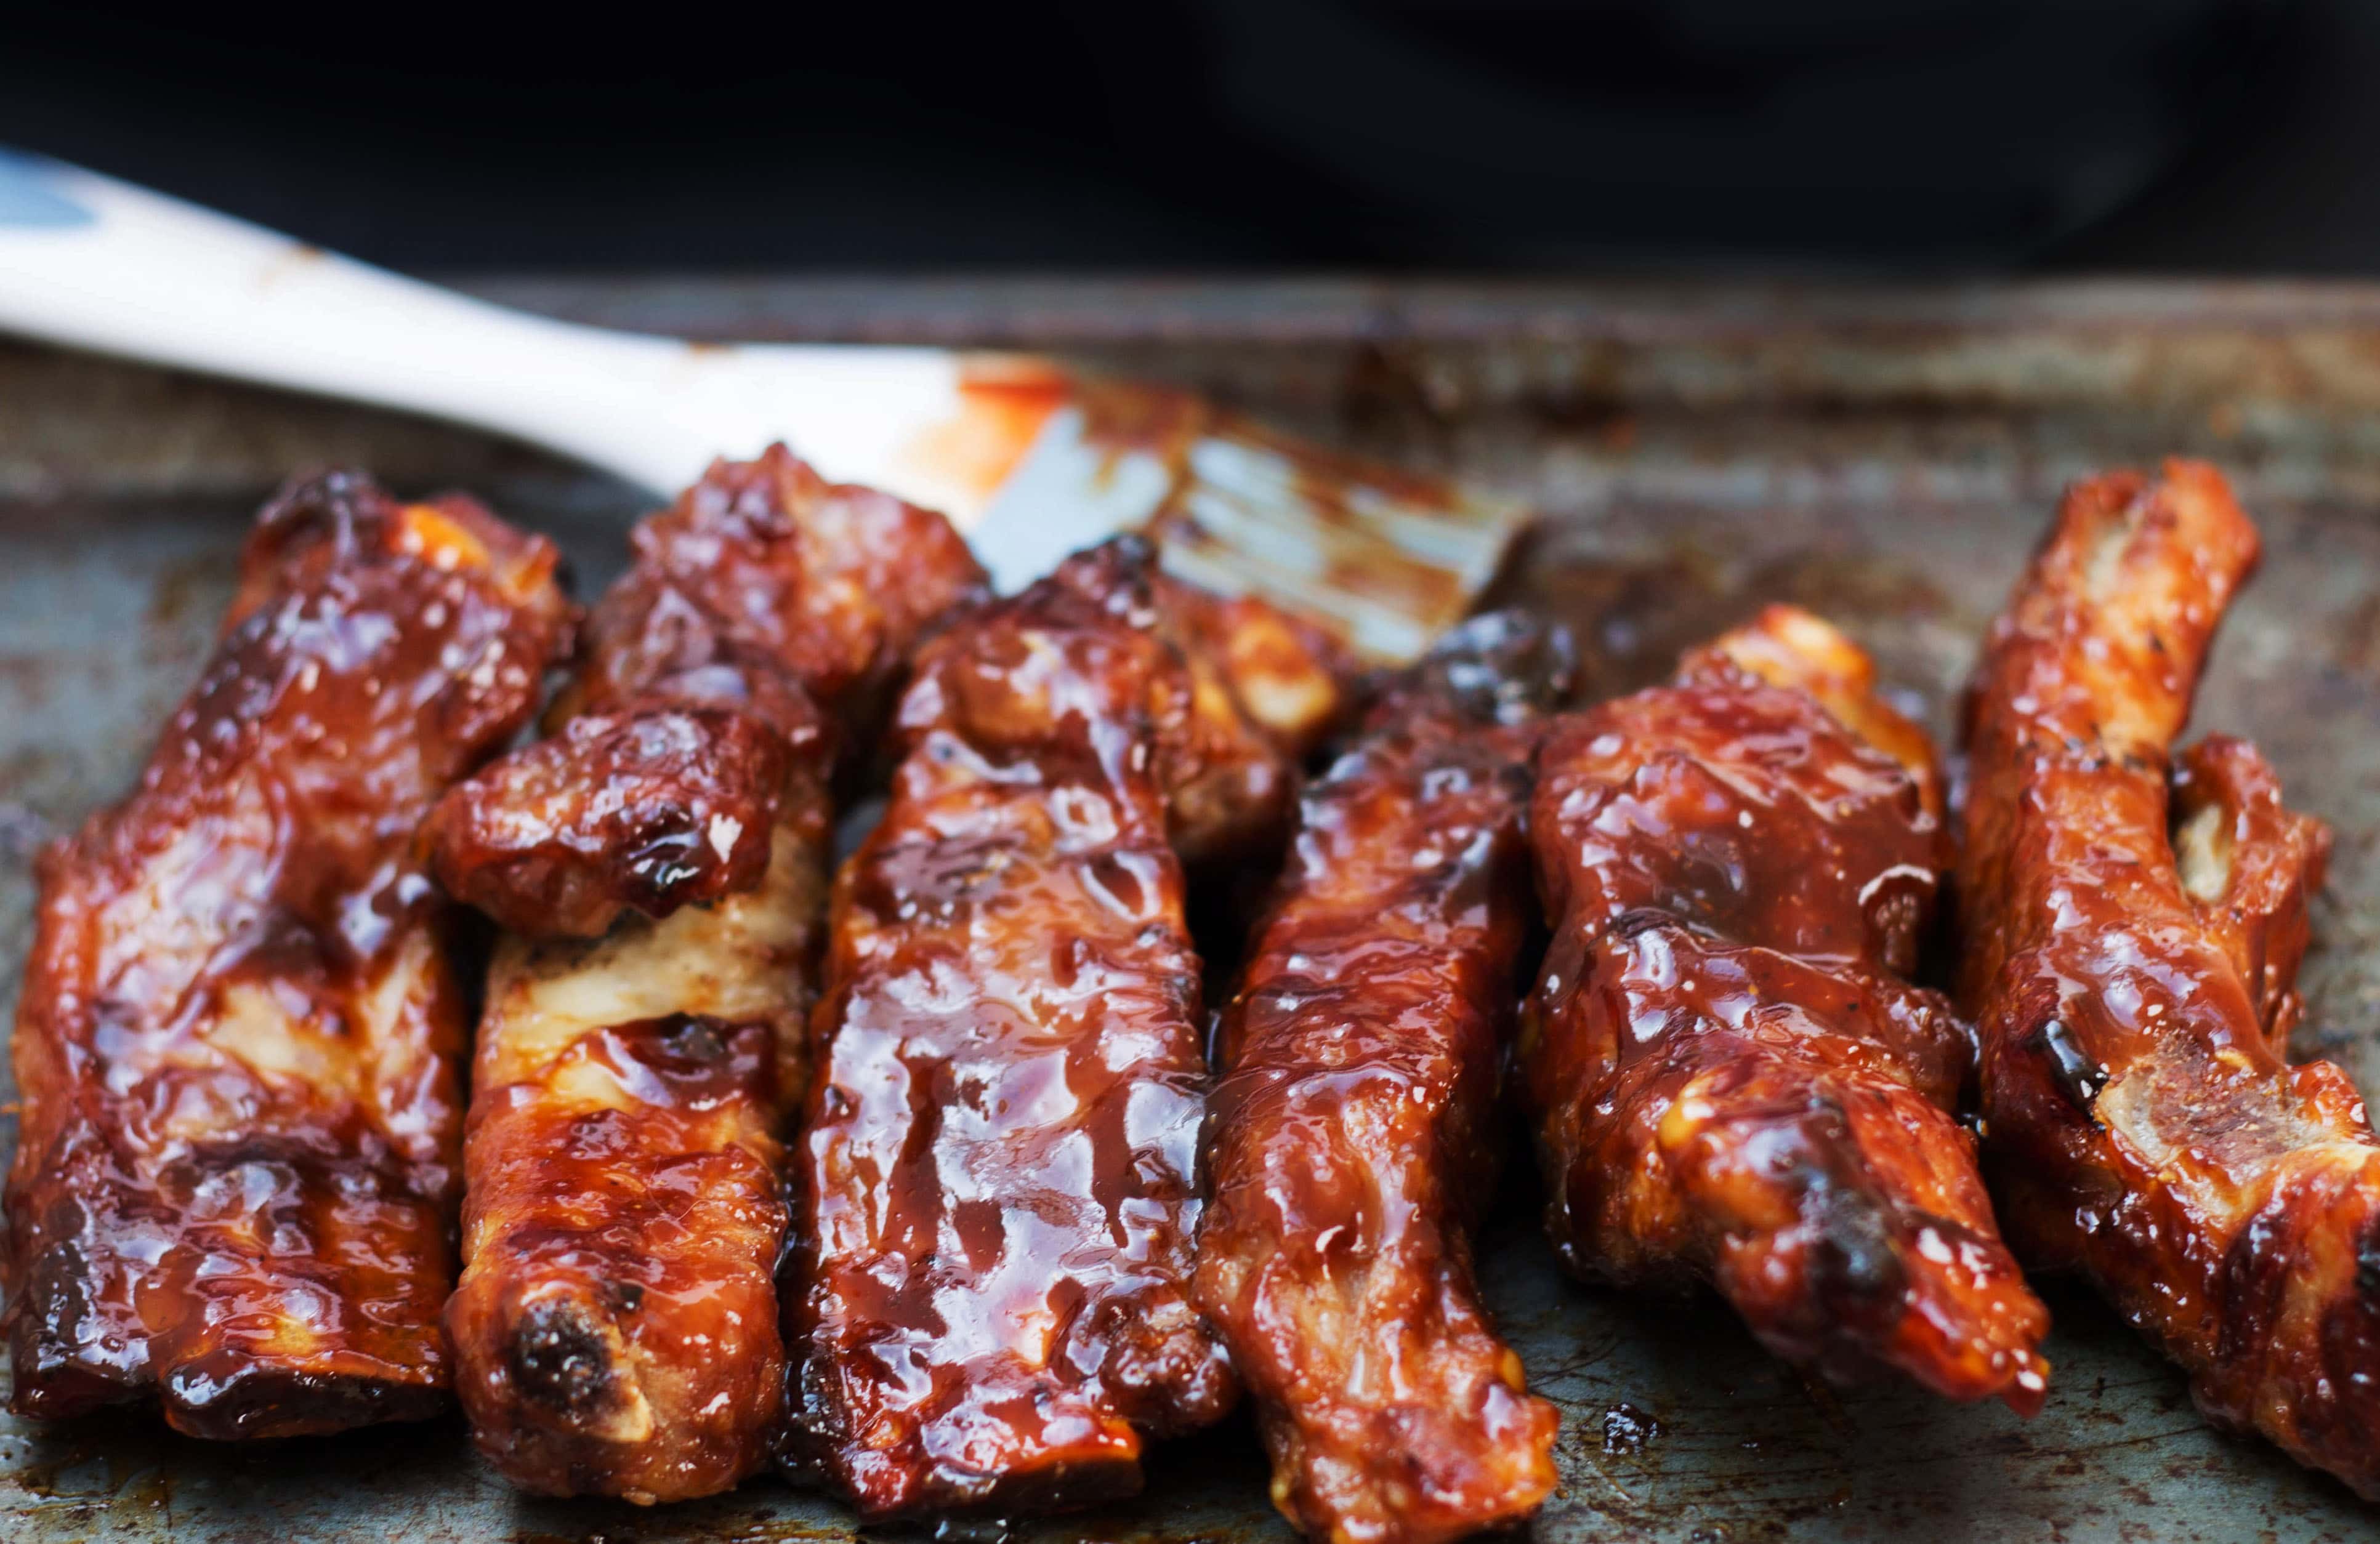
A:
{"x": 999, "y": 1150}
{"x": 237, "y": 1040}
{"x": 1352, "y": 1132}
{"x": 661, "y": 862}
{"x": 1731, "y": 1075}
{"x": 2131, "y": 936}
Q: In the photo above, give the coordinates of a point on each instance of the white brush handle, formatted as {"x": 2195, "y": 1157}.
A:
{"x": 92, "y": 262}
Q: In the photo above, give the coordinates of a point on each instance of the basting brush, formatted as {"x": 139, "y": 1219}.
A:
{"x": 1031, "y": 460}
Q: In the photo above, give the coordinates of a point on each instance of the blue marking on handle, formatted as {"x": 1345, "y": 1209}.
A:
{"x": 29, "y": 199}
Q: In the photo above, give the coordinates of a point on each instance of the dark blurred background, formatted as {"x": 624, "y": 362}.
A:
{"x": 1861, "y": 137}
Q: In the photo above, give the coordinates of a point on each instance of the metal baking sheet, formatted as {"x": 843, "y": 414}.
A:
{"x": 1886, "y": 458}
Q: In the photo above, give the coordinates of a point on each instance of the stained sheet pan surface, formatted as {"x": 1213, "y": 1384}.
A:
{"x": 1886, "y": 459}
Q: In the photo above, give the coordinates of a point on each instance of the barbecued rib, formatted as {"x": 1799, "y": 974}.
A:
{"x": 616, "y": 1327}
{"x": 236, "y": 1043}
{"x": 1732, "y": 1077}
{"x": 1350, "y": 1142}
{"x": 999, "y": 1155}
{"x": 2129, "y": 956}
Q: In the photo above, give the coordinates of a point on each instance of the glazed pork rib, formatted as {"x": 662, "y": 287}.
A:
{"x": 2132, "y": 938}
{"x": 238, "y": 1040}
{"x": 660, "y": 863}
{"x": 1351, "y": 1136}
{"x": 1732, "y": 1077}
{"x": 999, "y": 1155}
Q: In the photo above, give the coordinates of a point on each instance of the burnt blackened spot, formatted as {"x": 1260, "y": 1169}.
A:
{"x": 560, "y": 1361}
{"x": 1855, "y": 1253}
{"x": 1503, "y": 667}
{"x": 55, "y": 1329}
{"x": 2075, "y": 1072}
{"x": 1852, "y": 1255}
{"x": 2367, "y": 1266}
{"x": 695, "y": 1038}
{"x": 624, "y": 1296}
{"x": 1638, "y": 921}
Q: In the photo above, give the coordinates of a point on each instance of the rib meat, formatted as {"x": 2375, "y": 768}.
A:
{"x": 660, "y": 864}
{"x": 237, "y": 1040}
{"x": 2131, "y": 936}
{"x": 1352, "y": 1135}
{"x": 1731, "y": 1075}
{"x": 1000, "y": 1150}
